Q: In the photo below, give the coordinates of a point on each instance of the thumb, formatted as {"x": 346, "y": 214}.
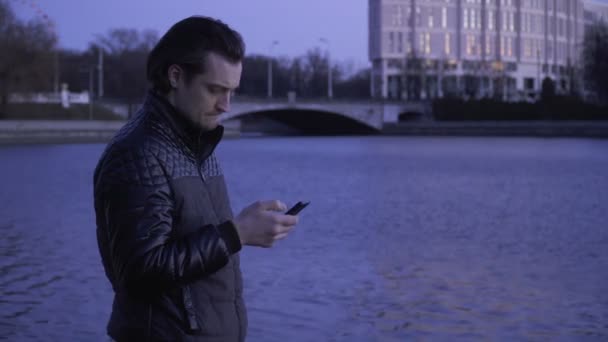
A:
{"x": 274, "y": 205}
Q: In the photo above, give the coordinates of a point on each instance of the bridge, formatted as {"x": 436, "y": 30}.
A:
{"x": 319, "y": 116}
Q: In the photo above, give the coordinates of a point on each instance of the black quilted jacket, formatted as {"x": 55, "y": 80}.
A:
{"x": 164, "y": 229}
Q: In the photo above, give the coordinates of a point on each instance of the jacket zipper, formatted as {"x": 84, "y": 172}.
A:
{"x": 236, "y": 307}
{"x": 199, "y": 165}
{"x": 187, "y": 298}
{"x": 186, "y": 292}
{"x": 200, "y": 173}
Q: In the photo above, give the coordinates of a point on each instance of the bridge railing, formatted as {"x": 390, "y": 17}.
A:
{"x": 280, "y": 99}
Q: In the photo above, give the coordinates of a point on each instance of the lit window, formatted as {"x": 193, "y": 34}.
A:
{"x": 491, "y": 20}
{"x": 447, "y": 44}
{"x": 421, "y": 42}
{"x": 398, "y": 16}
{"x": 427, "y": 47}
{"x": 466, "y": 18}
{"x": 487, "y": 44}
{"x": 431, "y": 20}
{"x": 444, "y": 17}
{"x": 470, "y": 44}
{"x": 473, "y": 19}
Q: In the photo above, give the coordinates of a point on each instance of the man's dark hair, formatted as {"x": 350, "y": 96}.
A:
{"x": 187, "y": 44}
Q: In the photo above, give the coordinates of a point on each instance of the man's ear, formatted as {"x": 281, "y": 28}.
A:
{"x": 174, "y": 73}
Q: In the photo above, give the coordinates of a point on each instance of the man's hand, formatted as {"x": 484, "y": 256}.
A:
{"x": 262, "y": 223}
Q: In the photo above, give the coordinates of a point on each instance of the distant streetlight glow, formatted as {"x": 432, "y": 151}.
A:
{"x": 270, "y": 68}
{"x": 330, "y": 93}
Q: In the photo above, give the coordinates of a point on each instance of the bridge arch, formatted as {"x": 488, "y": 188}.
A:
{"x": 412, "y": 115}
{"x": 321, "y": 116}
{"x": 298, "y": 120}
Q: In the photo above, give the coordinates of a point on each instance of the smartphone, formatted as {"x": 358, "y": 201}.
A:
{"x": 297, "y": 208}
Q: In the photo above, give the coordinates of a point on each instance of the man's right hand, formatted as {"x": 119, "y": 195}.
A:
{"x": 263, "y": 222}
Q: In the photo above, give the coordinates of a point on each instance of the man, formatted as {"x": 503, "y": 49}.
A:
{"x": 165, "y": 229}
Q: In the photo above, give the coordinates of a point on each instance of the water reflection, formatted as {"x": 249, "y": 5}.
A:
{"x": 436, "y": 239}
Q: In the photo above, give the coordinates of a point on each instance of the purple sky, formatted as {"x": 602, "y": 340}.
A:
{"x": 296, "y": 24}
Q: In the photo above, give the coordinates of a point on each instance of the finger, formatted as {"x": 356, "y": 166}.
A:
{"x": 281, "y": 229}
{"x": 278, "y": 229}
{"x": 287, "y": 220}
{"x": 280, "y": 236}
{"x": 275, "y": 205}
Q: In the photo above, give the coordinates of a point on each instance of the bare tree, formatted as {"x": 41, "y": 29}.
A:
{"x": 356, "y": 86}
{"x": 595, "y": 59}
{"x": 254, "y": 79}
{"x": 126, "y": 51}
{"x": 27, "y": 49}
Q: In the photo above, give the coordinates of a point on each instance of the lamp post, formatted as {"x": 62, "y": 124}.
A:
{"x": 100, "y": 72}
{"x": 538, "y": 84}
{"x": 56, "y": 70}
{"x": 90, "y": 70}
{"x": 270, "y": 68}
{"x": 330, "y": 93}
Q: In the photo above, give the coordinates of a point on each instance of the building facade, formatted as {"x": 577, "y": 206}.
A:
{"x": 423, "y": 49}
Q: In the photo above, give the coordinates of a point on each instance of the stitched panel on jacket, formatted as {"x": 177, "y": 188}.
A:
{"x": 211, "y": 167}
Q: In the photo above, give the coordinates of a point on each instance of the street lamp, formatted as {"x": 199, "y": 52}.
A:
{"x": 56, "y": 70}
{"x": 100, "y": 72}
{"x": 90, "y": 69}
{"x": 538, "y": 84}
{"x": 330, "y": 93}
{"x": 270, "y": 68}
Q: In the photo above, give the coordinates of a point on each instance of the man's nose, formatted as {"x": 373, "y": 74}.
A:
{"x": 223, "y": 103}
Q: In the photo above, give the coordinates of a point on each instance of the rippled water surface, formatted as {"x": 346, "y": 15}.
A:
{"x": 424, "y": 239}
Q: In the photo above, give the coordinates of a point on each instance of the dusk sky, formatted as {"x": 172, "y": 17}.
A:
{"x": 297, "y": 25}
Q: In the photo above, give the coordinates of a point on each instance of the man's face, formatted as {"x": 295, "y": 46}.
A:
{"x": 207, "y": 95}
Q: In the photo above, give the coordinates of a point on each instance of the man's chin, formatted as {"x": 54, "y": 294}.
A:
{"x": 210, "y": 124}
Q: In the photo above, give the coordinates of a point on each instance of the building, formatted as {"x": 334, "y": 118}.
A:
{"x": 594, "y": 11}
{"x": 423, "y": 49}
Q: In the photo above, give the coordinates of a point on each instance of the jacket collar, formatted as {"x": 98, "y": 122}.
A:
{"x": 201, "y": 142}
